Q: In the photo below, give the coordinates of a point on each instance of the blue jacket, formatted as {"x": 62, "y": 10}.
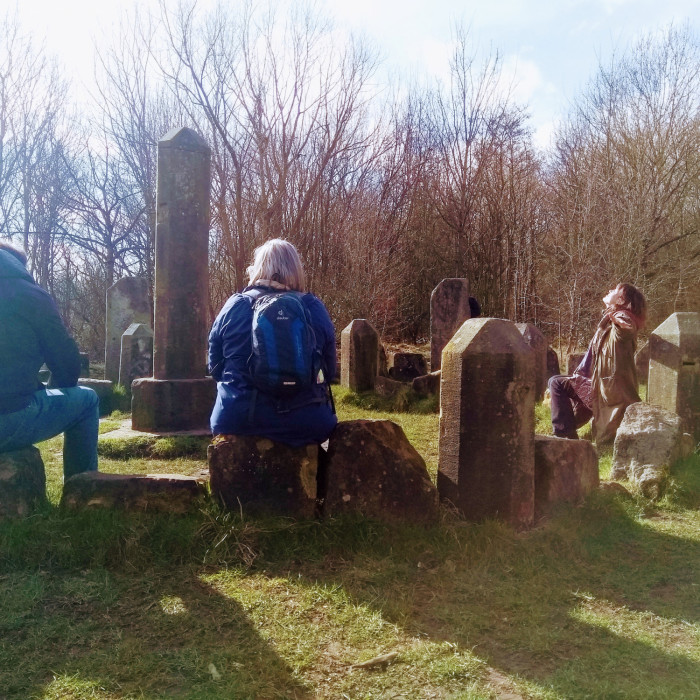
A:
{"x": 31, "y": 334}
{"x": 297, "y": 421}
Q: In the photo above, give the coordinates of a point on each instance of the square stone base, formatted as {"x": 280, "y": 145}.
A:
{"x": 169, "y": 405}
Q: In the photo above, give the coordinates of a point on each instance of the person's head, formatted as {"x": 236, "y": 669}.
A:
{"x": 277, "y": 261}
{"x": 627, "y": 296}
{"x": 14, "y": 250}
{"x": 474, "y": 307}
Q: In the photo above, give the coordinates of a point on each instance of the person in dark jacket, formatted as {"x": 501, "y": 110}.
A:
{"x": 31, "y": 334}
{"x": 308, "y": 416}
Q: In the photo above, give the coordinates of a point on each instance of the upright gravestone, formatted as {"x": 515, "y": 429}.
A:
{"x": 449, "y": 309}
{"x": 359, "y": 348}
{"x": 179, "y": 397}
{"x": 137, "y": 354}
{"x": 486, "y": 461}
{"x": 127, "y": 303}
{"x": 674, "y": 368}
{"x": 534, "y": 338}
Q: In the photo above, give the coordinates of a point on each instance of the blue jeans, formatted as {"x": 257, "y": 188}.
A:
{"x": 73, "y": 411}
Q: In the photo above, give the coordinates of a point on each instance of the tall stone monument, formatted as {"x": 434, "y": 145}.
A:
{"x": 179, "y": 397}
{"x": 449, "y": 309}
{"x": 359, "y": 347}
{"x": 486, "y": 461}
{"x": 534, "y": 338}
{"x": 127, "y": 303}
{"x": 674, "y": 368}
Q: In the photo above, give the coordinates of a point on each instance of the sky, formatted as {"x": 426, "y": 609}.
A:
{"x": 549, "y": 48}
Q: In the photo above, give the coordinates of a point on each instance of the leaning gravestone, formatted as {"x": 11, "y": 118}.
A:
{"x": 137, "y": 354}
{"x": 359, "y": 348}
{"x": 674, "y": 368}
{"x": 127, "y": 303}
{"x": 179, "y": 397}
{"x": 486, "y": 462}
{"x": 449, "y": 309}
{"x": 534, "y": 338}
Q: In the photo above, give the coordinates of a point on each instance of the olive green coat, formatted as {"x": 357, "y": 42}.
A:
{"x": 614, "y": 380}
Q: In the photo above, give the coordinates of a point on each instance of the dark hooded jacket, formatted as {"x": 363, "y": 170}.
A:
{"x": 31, "y": 334}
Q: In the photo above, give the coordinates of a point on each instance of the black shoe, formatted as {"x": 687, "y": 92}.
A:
{"x": 569, "y": 436}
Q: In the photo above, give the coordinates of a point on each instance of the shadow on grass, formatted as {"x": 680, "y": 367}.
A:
{"x": 146, "y": 633}
{"x": 596, "y": 603}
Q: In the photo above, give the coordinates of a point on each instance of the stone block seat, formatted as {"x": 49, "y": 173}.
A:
{"x": 168, "y": 493}
{"x": 257, "y": 475}
{"x": 22, "y": 482}
{"x": 565, "y": 472}
{"x": 370, "y": 470}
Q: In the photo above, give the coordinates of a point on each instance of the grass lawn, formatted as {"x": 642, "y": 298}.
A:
{"x": 600, "y": 601}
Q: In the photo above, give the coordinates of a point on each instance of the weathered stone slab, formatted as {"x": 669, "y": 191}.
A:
{"x": 428, "y": 384}
{"x": 359, "y": 348}
{"x": 534, "y": 338}
{"x": 161, "y": 405}
{"x": 127, "y": 302}
{"x": 168, "y": 493}
{"x": 262, "y": 476}
{"x": 373, "y": 470}
{"x": 406, "y": 366}
{"x": 137, "y": 354}
{"x": 641, "y": 361}
{"x": 565, "y": 471}
{"x": 573, "y": 361}
{"x": 384, "y": 386}
{"x": 22, "y": 482}
{"x": 449, "y": 309}
{"x": 552, "y": 363}
{"x": 648, "y": 441}
{"x": 487, "y": 402}
{"x": 104, "y": 390}
{"x": 674, "y": 368}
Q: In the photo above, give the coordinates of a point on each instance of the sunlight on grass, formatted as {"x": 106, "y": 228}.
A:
{"x": 679, "y": 637}
{"x": 172, "y": 605}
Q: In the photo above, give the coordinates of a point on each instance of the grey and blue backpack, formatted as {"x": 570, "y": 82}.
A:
{"x": 284, "y": 358}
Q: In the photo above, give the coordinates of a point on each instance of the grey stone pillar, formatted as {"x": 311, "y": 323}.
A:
{"x": 534, "y": 338}
{"x": 486, "y": 461}
{"x": 359, "y": 347}
{"x": 127, "y": 303}
{"x": 674, "y": 368}
{"x": 137, "y": 354}
{"x": 179, "y": 397}
{"x": 449, "y": 309}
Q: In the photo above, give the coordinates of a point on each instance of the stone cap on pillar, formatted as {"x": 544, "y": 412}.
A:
{"x": 681, "y": 330}
{"x": 184, "y": 139}
{"x": 138, "y": 330}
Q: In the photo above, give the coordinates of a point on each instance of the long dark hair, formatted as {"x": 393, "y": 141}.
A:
{"x": 635, "y": 301}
